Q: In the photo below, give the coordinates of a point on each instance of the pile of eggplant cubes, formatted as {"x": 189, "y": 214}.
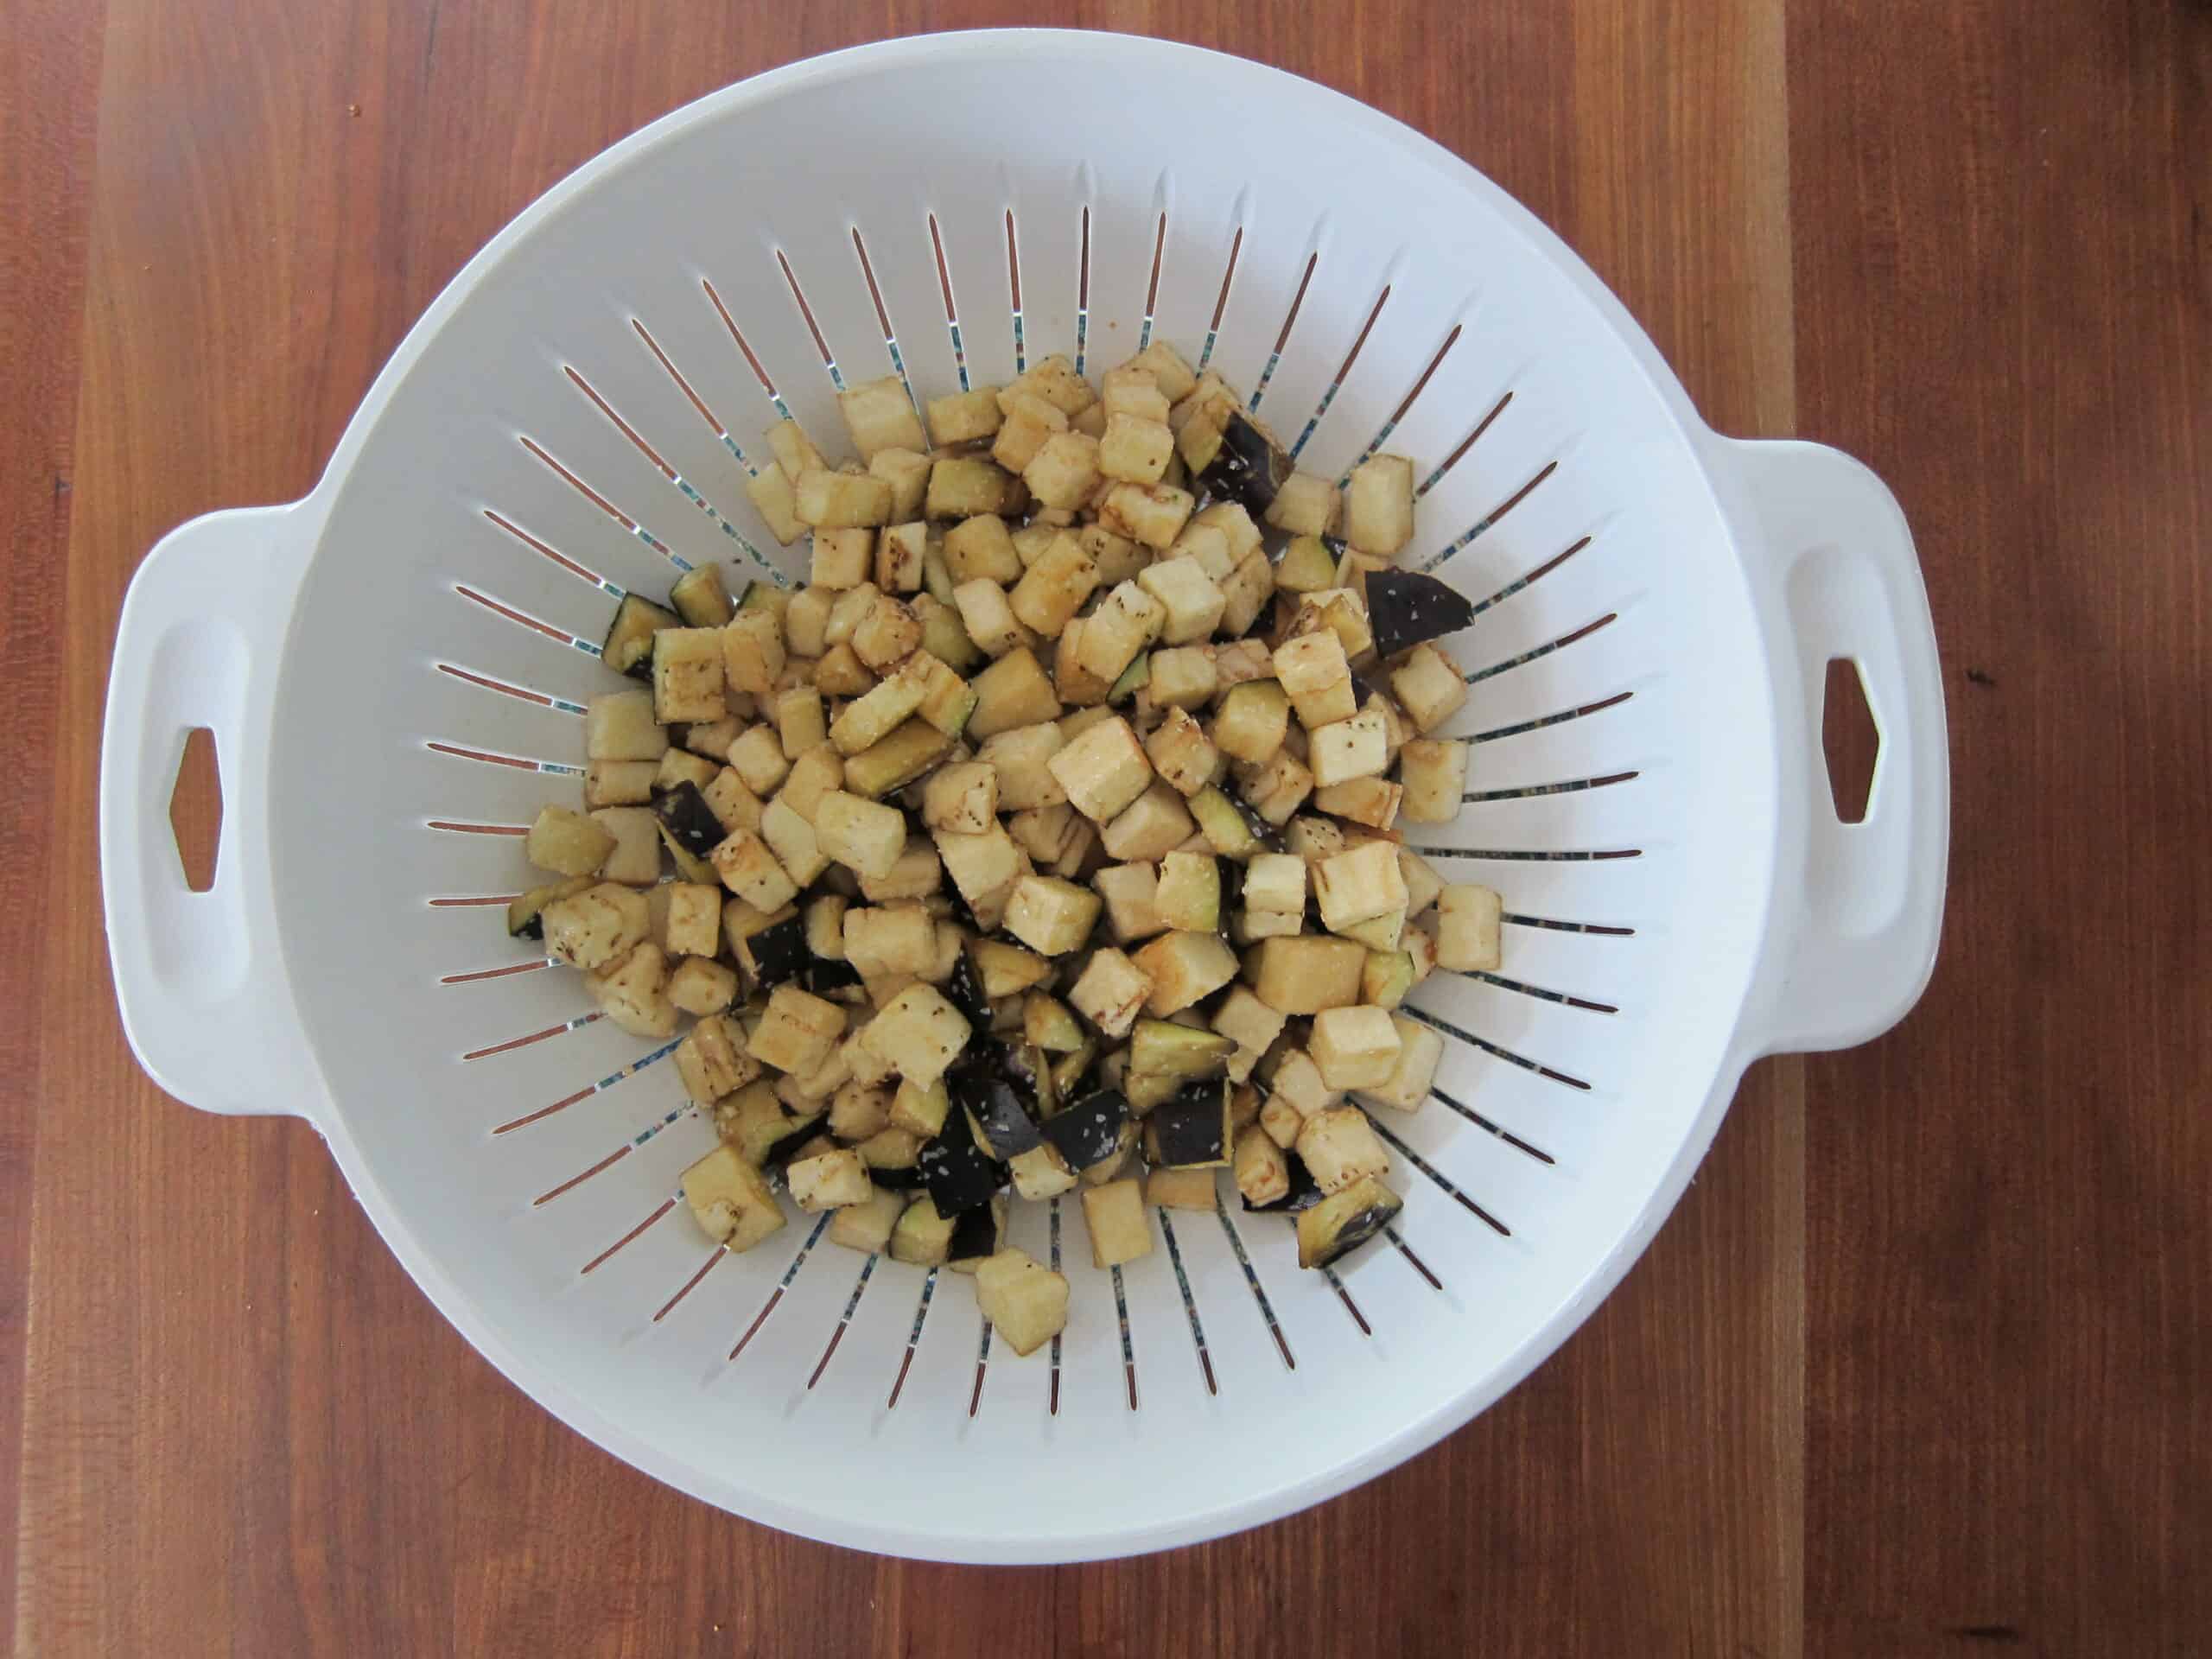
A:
{"x": 1048, "y": 839}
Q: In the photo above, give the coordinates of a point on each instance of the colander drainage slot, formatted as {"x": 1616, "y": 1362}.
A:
{"x": 1850, "y": 740}
{"x": 196, "y": 808}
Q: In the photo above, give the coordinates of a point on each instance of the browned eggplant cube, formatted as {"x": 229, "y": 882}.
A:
{"x": 1183, "y": 968}
{"x": 1103, "y": 769}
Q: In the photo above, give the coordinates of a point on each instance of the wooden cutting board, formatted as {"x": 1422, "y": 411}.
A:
{"x": 1921, "y": 1364}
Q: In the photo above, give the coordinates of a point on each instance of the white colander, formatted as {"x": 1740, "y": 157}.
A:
{"x": 394, "y": 669}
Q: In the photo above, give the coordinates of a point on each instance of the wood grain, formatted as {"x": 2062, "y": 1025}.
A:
{"x": 1919, "y": 1365}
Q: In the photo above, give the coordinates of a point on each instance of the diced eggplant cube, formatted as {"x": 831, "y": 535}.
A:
{"x": 962, "y": 486}
{"x": 1339, "y": 1145}
{"x": 1317, "y": 677}
{"x": 1189, "y": 894}
{"x": 842, "y": 560}
{"x": 1346, "y": 749}
{"x": 1357, "y": 884}
{"x": 1305, "y": 505}
{"x": 1420, "y": 1051}
{"x": 1434, "y": 772}
{"x": 830, "y": 500}
{"x": 1183, "y": 968}
{"x": 598, "y": 925}
{"x": 1051, "y": 916}
{"x": 880, "y": 415}
{"x": 1030, "y": 421}
{"x": 1260, "y": 1171}
{"x": 1103, "y": 769}
{"x": 1114, "y": 1215}
{"x": 1111, "y": 991}
{"x": 698, "y": 985}
{"x": 1027, "y": 1304}
{"x": 1151, "y": 513}
{"x": 1190, "y": 599}
{"x": 1013, "y": 691}
{"x": 1040, "y": 1173}
{"x": 731, "y": 1200}
{"x": 962, "y": 799}
{"x": 1428, "y": 688}
{"x": 568, "y": 843}
{"x": 964, "y": 416}
{"x": 1131, "y": 894}
{"x": 866, "y": 1226}
{"x": 1306, "y": 974}
{"x": 1467, "y": 934}
{"x": 1344, "y": 1221}
{"x": 1053, "y": 588}
{"x": 1150, "y": 827}
{"x": 798, "y": 1032}
{"x": 1007, "y": 969}
{"x": 1379, "y": 506}
{"x": 1064, "y": 473}
{"x": 1275, "y": 881}
{"x": 752, "y": 652}
{"x": 920, "y": 1033}
{"x": 693, "y": 916}
{"x": 688, "y": 675}
{"x": 633, "y": 993}
{"x": 1356, "y": 1047}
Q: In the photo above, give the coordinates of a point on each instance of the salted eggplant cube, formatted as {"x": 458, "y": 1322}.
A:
{"x": 880, "y": 415}
{"x": 1379, "y": 505}
{"x": 1183, "y": 968}
{"x": 1252, "y": 721}
{"x": 526, "y": 911}
{"x": 712, "y": 1060}
{"x": 962, "y": 486}
{"x": 798, "y": 1032}
{"x": 830, "y": 500}
{"x": 1339, "y": 1145}
{"x": 597, "y": 926}
{"x": 1192, "y": 1129}
{"x": 688, "y": 675}
{"x": 1150, "y": 827}
{"x": 1089, "y": 1131}
{"x": 692, "y": 823}
{"x": 1114, "y": 1215}
{"x": 1151, "y": 513}
{"x": 1260, "y": 1169}
{"x": 830, "y": 1181}
{"x": 1357, "y": 884}
{"x": 1315, "y": 674}
{"x": 1026, "y": 1303}
{"x": 701, "y": 597}
{"x": 1190, "y": 600}
{"x": 698, "y": 985}
{"x": 1434, "y": 773}
{"x": 1103, "y": 769}
{"x": 965, "y": 416}
{"x": 1275, "y": 881}
{"x": 620, "y": 726}
{"x": 1136, "y": 449}
{"x": 866, "y": 1226}
{"x": 1180, "y": 1189}
{"x": 1014, "y": 691}
{"x": 1051, "y": 916}
{"x": 1040, "y": 1173}
{"x": 731, "y": 1200}
{"x": 1305, "y": 505}
{"x": 920, "y": 1033}
{"x": 1428, "y": 688}
{"x": 1346, "y": 749}
{"x": 1053, "y": 588}
{"x": 633, "y": 993}
{"x": 1111, "y": 992}
{"x": 1305, "y": 974}
{"x": 750, "y": 870}
{"x": 1467, "y": 933}
{"x": 628, "y": 647}
{"x": 568, "y": 843}
{"x": 619, "y": 782}
{"x": 1162, "y": 1048}
{"x": 1189, "y": 895}
{"x": 691, "y": 918}
{"x": 1064, "y": 473}
{"x": 1030, "y": 423}
{"x": 1344, "y": 1221}
{"x": 1420, "y": 1050}
{"x": 1356, "y": 1047}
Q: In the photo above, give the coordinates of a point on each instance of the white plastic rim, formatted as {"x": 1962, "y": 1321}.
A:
{"x": 1685, "y": 903}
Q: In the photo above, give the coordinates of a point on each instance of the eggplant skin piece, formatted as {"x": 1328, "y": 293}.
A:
{"x": 964, "y": 990}
{"x": 1341, "y": 1223}
{"x": 896, "y": 1180}
{"x": 958, "y": 1174}
{"x": 1192, "y": 1127}
{"x": 1405, "y": 607}
{"x": 993, "y": 1092}
{"x": 974, "y": 1235}
{"x": 779, "y": 951}
{"x": 628, "y": 647}
{"x": 688, "y": 819}
{"x": 1248, "y": 467}
{"x": 823, "y": 974}
{"x": 1090, "y": 1131}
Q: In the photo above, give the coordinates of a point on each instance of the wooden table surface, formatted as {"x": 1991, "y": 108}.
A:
{"x": 1923, "y": 1364}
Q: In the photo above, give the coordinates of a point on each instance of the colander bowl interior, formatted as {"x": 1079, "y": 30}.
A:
{"x": 575, "y": 416}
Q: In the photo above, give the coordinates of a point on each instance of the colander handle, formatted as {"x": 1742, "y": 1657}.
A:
{"x": 200, "y": 976}
{"x": 1858, "y": 908}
